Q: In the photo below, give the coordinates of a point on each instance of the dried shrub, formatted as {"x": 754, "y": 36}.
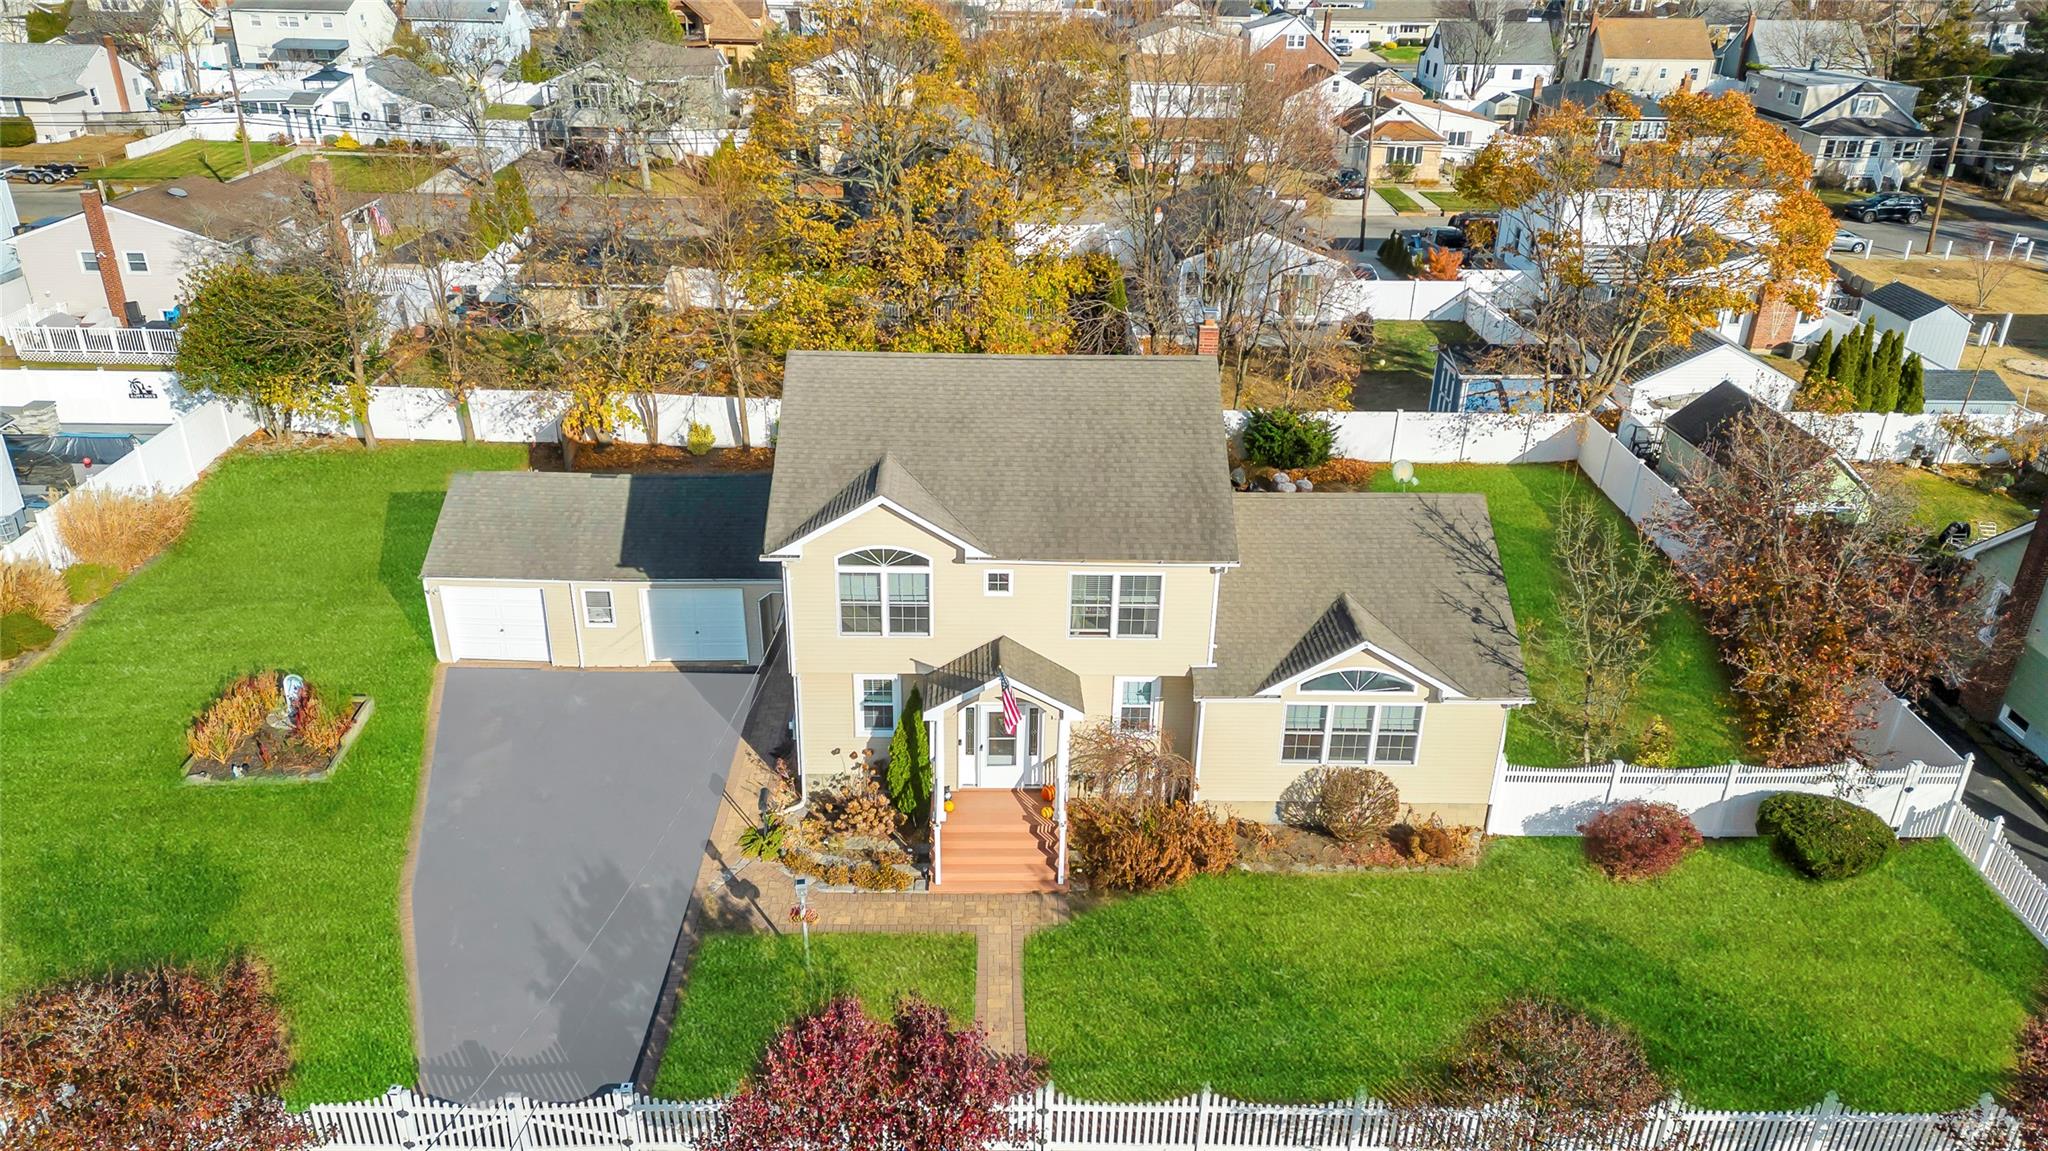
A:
{"x": 1128, "y": 764}
{"x": 32, "y": 587}
{"x": 1639, "y": 839}
{"x": 1432, "y": 841}
{"x": 321, "y": 727}
{"x": 1130, "y": 846}
{"x": 876, "y": 877}
{"x": 121, "y": 530}
{"x": 159, "y": 1058}
{"x": 1824, "y": 836}
{"x": 851, "y": 804}
{"x": 836, "y": 874}
{"x": 235, "y": 716}
{"x": 1344, "y": 471}
{"x": 1349, "y": 804}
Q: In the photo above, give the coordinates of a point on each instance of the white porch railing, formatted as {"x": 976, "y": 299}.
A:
{"x": 94, "y": 345}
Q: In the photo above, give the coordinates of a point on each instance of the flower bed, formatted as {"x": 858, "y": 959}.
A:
{"x": 272, "y": 726}
{"x": 1281, "y": 849}
{"x": 851, "y": 838}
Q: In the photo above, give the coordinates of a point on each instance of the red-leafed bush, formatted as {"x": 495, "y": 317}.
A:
{"x": 167, "y": 1059}
{"x": 841, "y": 1080}
{"x": 1639, "y": 840}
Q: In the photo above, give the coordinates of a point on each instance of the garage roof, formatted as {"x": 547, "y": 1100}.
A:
{"x": 571, "y": 526}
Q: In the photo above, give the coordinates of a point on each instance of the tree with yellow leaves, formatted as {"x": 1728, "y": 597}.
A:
{"x": 1641, "y": 245}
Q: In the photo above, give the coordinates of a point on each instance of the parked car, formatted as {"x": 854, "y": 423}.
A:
{"x": 1423, "y": 239}
{"x": 1347, "y": 184}
{"x": 1897, "y": 206}
{"x": 1848, "y": 241}
{"x": 1341, "y": 45}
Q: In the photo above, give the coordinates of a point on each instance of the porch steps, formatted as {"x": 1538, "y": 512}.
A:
{"x": 996, "y": 842}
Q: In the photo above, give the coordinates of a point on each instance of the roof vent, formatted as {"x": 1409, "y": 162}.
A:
{"x": 178, "y": 192}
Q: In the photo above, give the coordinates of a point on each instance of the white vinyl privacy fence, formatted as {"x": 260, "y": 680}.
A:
{"x": 403, "y": 1121}
{"x": 169, "y": 461}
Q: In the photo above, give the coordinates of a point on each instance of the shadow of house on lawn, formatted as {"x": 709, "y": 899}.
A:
{"x": 409, "y": 519}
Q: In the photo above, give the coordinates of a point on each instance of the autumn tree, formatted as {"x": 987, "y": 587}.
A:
{"x": 263, "y": 336}
{"x": 1537, "y": 1075}
{"x": 1812, "y": 597}
{"x": 1646, "y": 251}
{"x": 1612, "y": 593}
{"x": 1049, "y": 93}
{"x": 838, "y": 1080}
{"x": 168, "y": 1059}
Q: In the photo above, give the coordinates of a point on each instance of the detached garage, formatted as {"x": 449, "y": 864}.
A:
{"x": 602, "y": 571}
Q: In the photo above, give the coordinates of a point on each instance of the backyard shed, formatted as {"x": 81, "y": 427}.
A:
{"x": 1979, "y": 393}
{"x": 1932, "y": 328}
{"x": 1697, "y": 438}
{"x": 601, "y": 570}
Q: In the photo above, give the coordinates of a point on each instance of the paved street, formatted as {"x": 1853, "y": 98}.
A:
{"x": 1967, "y": 220}
{"x": 33, "y": 202}
{"x": 1996, "y": 789}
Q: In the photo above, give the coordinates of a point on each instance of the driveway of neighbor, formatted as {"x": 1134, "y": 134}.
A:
{"x": 565, "y": 819}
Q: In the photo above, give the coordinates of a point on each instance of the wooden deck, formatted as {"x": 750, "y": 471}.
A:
{"x": 998, "y": 842}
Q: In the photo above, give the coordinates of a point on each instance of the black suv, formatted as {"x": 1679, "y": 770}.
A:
{"x": 1899, "y": 206}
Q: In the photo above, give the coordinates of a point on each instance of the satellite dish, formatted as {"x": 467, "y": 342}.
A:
{"x": 178, "y": 192}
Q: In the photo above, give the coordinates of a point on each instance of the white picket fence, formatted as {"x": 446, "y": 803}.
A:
{"x": 404, "y": 1121}
{"x": 169, "y": 461}
{"x": 1982, "y": 842}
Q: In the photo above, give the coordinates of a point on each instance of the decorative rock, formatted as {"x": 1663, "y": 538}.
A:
{"x": 1237, "y": 477}
{"x": 1282, "y": 478}
{"x": 1305, "y": 484}
{"x": 1283, "y": 486}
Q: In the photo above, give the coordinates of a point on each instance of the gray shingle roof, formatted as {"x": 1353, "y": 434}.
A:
{"x": 1000, "y": 656}
{"x": 457, "y": 11}
{"x": 1904, "y": 301}
{"x": 42, "y": 71}
{"x": 1519, "y": 42}
{"x": 571, "y": 526}
{"x": 1417, "y": 576}
{"x": 1059, "y": 458}
{"x": 1950, "y": 385}
{"x": 401, "y": 76}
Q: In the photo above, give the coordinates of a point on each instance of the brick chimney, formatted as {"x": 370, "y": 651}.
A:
{"x": 321, "y": 175}
{"x": 1775, "y": 319}
{"x": 1985, "y": 691}
{"x": 114, "y": 64}
{"x": 1685, "y": 82}
{"x": 104, "y": 254}
{"x": 1208, "y": 338}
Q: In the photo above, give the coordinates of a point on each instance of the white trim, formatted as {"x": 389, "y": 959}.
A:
{"x": 1017, "y": 685}
{"x": 1347, "y": 693}
{"x": 1215, "y": 605}
{"x": 794, "y": 549}
{"x": 860, "y": 726}
{"x": 611, "y": 606}
{"x": 1116, "y": 699}
{"x": 1105, "y": 565}
{"x": 1201, "y": 732}
{"x": 2004, "y": 537}
{"x": 82, "y": 269}
{"x": 1009, "y": 581}
{"x": 2005, "y": 721}
{"x": 1116, "y": 601}
{"x": 1372, "y": 739}
{"x": 1445, "y": 689}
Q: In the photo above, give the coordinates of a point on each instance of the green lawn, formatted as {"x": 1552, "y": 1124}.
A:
{"x": 1396, "y": 199}
{"x": 376, "y": 173}
{"x": 219, "y": 159}
{"x": 302, "y": 560}
{"x": 509, "y": 112}
{"x": 1399, "y": 53}
{"x": 745, "y": 988}
{"x": 1402, "y": 362}
{"x": 1751, "y": 987}
{"x": 1685, "y": 683}
{"x": 1938, "y": 501}
{"x": 1452, "y": 200}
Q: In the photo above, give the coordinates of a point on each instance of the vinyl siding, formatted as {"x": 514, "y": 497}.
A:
{"x": 1240, "y": 769}
{"x": 49, "y": 257}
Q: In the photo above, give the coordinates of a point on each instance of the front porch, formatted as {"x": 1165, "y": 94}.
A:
{"x": 1000, "y": 719}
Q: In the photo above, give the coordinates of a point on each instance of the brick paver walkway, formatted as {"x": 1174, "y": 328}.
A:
{"x": 735, "y": 893}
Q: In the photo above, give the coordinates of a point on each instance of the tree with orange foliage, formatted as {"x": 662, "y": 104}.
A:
{"x": 1440, "y": 264}
{"x": 1641, "y": 244}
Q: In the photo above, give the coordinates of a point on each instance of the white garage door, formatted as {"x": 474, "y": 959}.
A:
{"x": 696, "y": 624}
{"x": 495, "y": 623}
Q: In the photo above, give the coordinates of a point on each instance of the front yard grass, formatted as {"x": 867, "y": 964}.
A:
{"x": 306, "y": 560}
{"x": 214, "y": 159}
{"x": 383, "y": 172}
{"x": 1685, "y": 682}
{"x": 1751, "y": 987}
{"x": 1452, "y": 200}
{"x": 1397, "y": 199}
{"x": 743, "y": 989}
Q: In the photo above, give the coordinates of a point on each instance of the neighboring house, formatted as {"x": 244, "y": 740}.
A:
{"x": 170, "y": 33}
{"x": 1978, "y": 392}
{"x": 1646, "y": 56}
{"x": 833, "y": 79}
{"x": 1169, "y": 35}
{"x": 578, "y": 280}
{"x": 124, "y": 264}
{"x": 2016, "y": 697}
{"x": 664, "y": 93}
{"x": 68, "y": 90}
{"x": 1762, "y": 44}
{"x": 1470, "y": 64}
{"x": 472, "y": 31}
{"x": 1381, "y": 22}
{"x": 1289, "y": 47}
{"x": 1260, "y": 636}
{"x": 1860, "y": 132}
{"x": 1671, "y": 376}
{"x": 732, "y": 27}
{"x": 1931, "y": 328}
{"x": 1464, "y": 132}
{"x": 1266, "y": 267}
{"x": 14, "y": 295}
{"x": 1391, "y": 145}
{"x": 1624, "y": 117}
{"x": 1697, "y": 437}
{"x": 580, "y": 570}
{"x": 311, "y": 31}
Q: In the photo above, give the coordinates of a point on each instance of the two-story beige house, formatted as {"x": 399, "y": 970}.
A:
{"x": 1065, "y": 526}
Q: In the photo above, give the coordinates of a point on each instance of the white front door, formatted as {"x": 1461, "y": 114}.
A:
{"x": 1001, "y": 759}
{"x": 508, "y": 623}
{"x": 696, "y": 625}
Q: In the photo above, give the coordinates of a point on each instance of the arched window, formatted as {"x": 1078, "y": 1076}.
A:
{"x": 1355, "y": 681}
{"x": 885, "y": 591}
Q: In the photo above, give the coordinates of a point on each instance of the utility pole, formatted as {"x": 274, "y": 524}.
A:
{"x": 241, "y": 125}
{"x": 1372, "y": 122}
{"x": 1955, "y": 145}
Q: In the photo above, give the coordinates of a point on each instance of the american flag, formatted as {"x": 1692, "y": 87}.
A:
{"x": 1012, "y": 714}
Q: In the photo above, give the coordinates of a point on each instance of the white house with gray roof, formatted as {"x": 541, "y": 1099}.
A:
{"x": 472, "y": 31}
{"x": 311, "y": 31}
{"x": 1860, "y": 132}
{"x": 68, "y": 90}
{"x": 1470, "y": 64}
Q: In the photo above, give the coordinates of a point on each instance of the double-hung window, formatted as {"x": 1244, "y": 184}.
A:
{"x": 137, "y": 261}
{"x": 597, "y": 607}
{"x": 885, "y": 591}
{"x": 875, "y": 700}
{"x": 1137, "y": 704}
{"x": 1351, "y": 733}
{"x": 1114, "y": 605}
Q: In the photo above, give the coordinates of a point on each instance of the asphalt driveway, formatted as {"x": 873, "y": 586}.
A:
{"x": 566, "y": 815}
